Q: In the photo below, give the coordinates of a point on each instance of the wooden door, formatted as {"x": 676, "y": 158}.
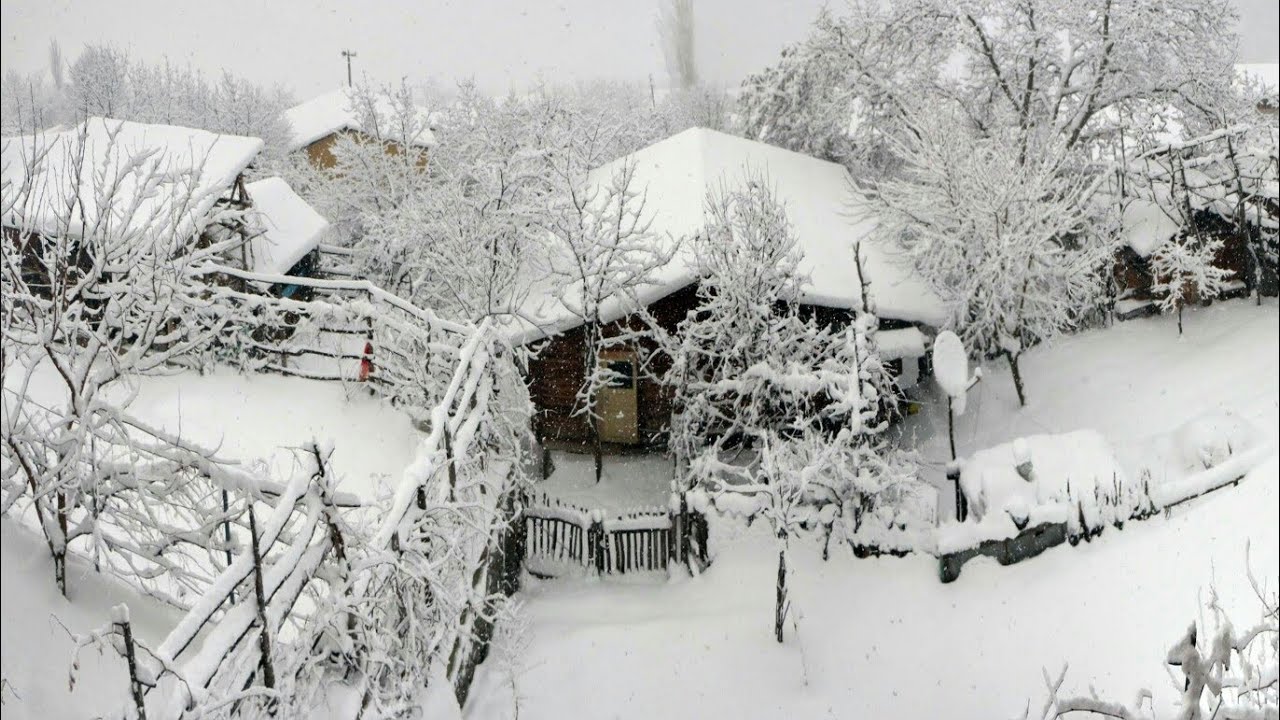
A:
{"x": 616, "y": 402}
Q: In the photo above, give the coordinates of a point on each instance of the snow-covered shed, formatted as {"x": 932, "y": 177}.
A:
{"x": 162, "y": 179}
{"x": 159, "y": 171}
{"x": 287, "y": 231}
{"x": 675, "y": 175}
{"x": 315, "y": 125}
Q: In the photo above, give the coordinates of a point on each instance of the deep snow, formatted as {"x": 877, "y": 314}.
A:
{"x": 877, "y": 638}
{"x": 884, "y": 638}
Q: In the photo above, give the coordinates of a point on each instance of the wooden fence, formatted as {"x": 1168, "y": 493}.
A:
{"x": 561, "y": 538}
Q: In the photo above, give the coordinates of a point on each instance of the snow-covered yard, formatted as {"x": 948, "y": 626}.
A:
{"x": 628, "y": 482}
{"x": 883, "y": 638}
{"x": 876, "y": 638}
{"x": 263, "y": 420}
{"x": 1132, "y": 383}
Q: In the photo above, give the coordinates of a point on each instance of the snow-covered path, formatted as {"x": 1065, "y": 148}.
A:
{"x": 883, "y": 638}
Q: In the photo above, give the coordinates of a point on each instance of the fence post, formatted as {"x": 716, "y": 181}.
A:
{"x": 676, "y": 509}
{"x": 264, "y": 634}
{"x": 598, "y": 540}
{"x": 962, "y": 503}
{"x": 120, "y": 616}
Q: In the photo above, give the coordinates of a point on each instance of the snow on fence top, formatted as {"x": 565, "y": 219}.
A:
{"x": 151, "y": 173}
{"x": 335, "y": 111}
{"x": 675, "y": 175}
{"x": 290, "y": 227}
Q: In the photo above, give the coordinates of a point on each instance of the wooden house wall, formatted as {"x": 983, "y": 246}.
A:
{"x": 556, "y": 374}
{"x": 1132, "y": 272}
{"x": 320, "y": 152}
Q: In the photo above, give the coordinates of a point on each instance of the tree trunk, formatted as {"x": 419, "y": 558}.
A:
{"x": 1017, "y": 377}
{"x": 1179, "y": 319}
{"x": 780, "y": 607}
{"x": 597, "y": 449}
{"x": 135, "y": 686}
{"x": 951, "y": 428}
{"x": 60, "y": 555}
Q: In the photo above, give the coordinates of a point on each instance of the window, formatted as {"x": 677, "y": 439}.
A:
{"x": 623, "y": 375}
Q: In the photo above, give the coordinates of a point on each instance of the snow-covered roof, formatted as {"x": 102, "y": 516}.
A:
{"x": 1145, "y": 226}
{"x": 290, "y": 228}
{"x": 335, "y": 111}
{"x": 907, "y": 342}
{"x": 676, "y": 175}
{"x": 164, "y": 173}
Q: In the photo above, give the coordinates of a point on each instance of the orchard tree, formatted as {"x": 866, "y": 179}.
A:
{"x": 99, "y": 246}
{"x": 600, "y": 252}
{"x": 1005, "y": 237}
{"x": 772, "y": 410}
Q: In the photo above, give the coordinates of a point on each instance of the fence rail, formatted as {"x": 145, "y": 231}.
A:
{"x": 562, "y": 538}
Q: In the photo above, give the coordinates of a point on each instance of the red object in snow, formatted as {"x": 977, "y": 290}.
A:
{"x": 366, "y": 362}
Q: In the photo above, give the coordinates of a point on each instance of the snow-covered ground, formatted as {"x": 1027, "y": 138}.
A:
{"x": 884, "y": 638}
{"x": 876, "y": 638}
{"x": 1132, "y": 382}
{"x": 628, "y": 482}
{"x": 35, "y": 635}
{"x": 263, "y": 421}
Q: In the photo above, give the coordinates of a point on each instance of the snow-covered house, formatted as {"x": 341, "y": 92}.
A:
{"x": 114, "y": 176}
{"x": 675, "y": 176}
{"x": 170, "y": 180}
{"x": 316, "y": 125}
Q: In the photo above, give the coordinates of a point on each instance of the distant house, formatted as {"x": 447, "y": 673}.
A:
{"x": 676, "y": 175}
{"x": 316, "y": 125}
{"x": 1265, "y": 78}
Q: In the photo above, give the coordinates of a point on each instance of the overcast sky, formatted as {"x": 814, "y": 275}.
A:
{"x": 502, "y": 43}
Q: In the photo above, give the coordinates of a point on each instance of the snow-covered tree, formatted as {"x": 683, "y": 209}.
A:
{"x": 834, "y": 95}
{"x": 96, "y": 288}
{"x": 600, "y": 253}
{"x": 104, "y": 81}
{"x": 458, "y": 244}
{"x": 1218, "y": 671}
{"x": 1005, "y": 235}
{"x": 772, "y": 411}
{"x": 1035, "y": 69}
{"x": 1184, "y": 270}
{"x": 676, "y": 32}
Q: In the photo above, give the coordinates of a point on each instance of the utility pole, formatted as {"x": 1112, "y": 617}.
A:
{"x": 348, "y": 55}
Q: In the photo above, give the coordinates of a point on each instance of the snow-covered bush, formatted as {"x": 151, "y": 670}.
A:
{"x": 1184, "y": 271}
{"x": 1077, "y": 471}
